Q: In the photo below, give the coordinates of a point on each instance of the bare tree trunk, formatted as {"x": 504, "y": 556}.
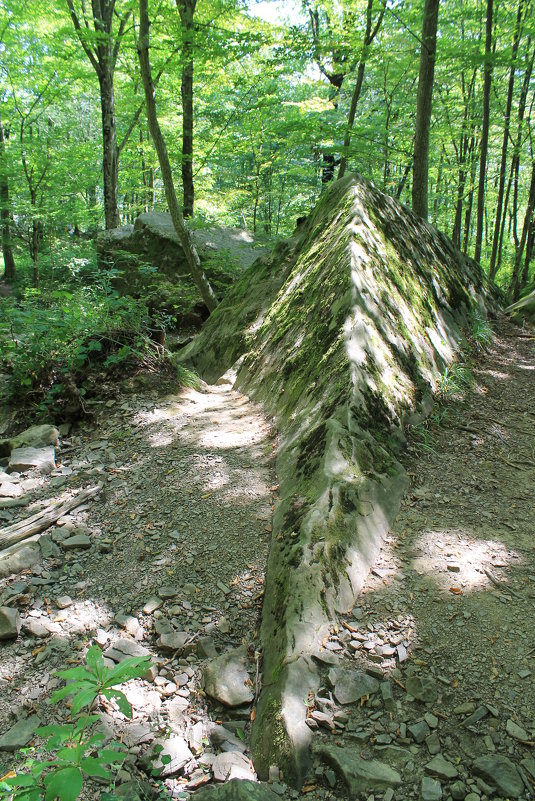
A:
{"x": 369, "y": 36}
{"x": 5, "y": 212}
{"x": 190, "y": 251}
{"x": 505, "y": 142}
{"x": 420, "y": 170}
{"x": 529, "y": 254}
{"x": 469, "y": 207}
{"x": 110, "y": 160}
{"x": 186, "y": 9}
{"x": 514, "y": 287}
{"x": 484, "y": 133}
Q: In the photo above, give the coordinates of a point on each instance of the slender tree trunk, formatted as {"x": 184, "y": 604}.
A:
{"x": 186, "y": 10}
{"x": 484, "y": 133}
{"x": 110, "y": 160}
{"x": 514, "y": 287}
{"x": 369, "y": 36}
{"x": 190, "y": 251}
{"x": 470, "y": 205}
{"x": 420, "y": 170}
{"x": 5, "y": 212}
{"x": 529, "y": 254}
{"x": 505, "y": 142}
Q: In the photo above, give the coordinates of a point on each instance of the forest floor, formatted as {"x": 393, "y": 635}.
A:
{"x": 176, "y": 544}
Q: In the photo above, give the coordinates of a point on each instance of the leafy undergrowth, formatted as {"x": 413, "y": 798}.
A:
{"x": 59, "y": 348}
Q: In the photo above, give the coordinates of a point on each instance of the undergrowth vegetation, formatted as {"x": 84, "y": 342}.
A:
{"x": 59, "y": 346}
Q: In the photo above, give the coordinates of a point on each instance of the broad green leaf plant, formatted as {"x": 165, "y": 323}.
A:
{"x": 74, "y": 751}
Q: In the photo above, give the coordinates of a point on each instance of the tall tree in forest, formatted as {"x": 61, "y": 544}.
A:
{"x": 186, "y": 9}
{"x": 182, "y": 231}
{"x": 487, "y": 81}
{"x": 505, "y": 141}
{"x": 370, "y": 33}
{"x": 102, "y": 47}
{"x": 420, "y": 170}
{"x": 5, "y": 210}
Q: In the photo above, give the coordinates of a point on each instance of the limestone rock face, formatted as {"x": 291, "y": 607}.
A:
{"x": 149, "y": 254}
{"x": 225, "y": 678}
{"x": 343, "y": 334}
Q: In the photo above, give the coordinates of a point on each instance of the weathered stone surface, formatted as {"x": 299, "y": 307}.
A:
{"x": 360, "y": 775}
{"x": 500, "y": 773}
{"x": 177, "y": 749}
{"x": 9, "y": 489}
{"x": 523, "y": 309}
{"x": 41, "y": 459}
{"x": 337, "y": 333}
{"x": 75, "y": 543}
{"x": 225, "y": 678}
{"x": 20, "y": 734}
{"x": 173, "y": 640}
{"x": 123, "y": 648}
{"x": 430, "y": 789}
{"x": 9, "y": 623}
{"x": 351, "y": 685}
{"x": 423, "y": 689}
{"x": 238, "y": 790}
{"x": 34, "y": 437}
{"x": 19, "y": 559}
{"x": 441, "y": 768}
{"x": 232, "y": 764}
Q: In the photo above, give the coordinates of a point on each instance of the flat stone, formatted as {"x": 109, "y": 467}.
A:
{"x": 423, "y": 689}
{"x": 227, "y": 762}
{"x": 9, "y": 623}
{"x": 23, "y": 558}
{"x": 500, "y": 773}
{"x": 430, "y": 789}
{"x": 477, "y": 715}
{"x": 360, "y": 775}
{"x": 516, "y": 731}
{"x": 49, "y": 549}
{"x": 177, "y": 749}
{"x": 225, "y": 678}
{"x": 36, "y": 437}
{"x": 433, "y": 743}
{"x": 123, "y": 648}
{"x": 35, "y": 628}
{"x": 20, "y": 734}
{"x": 78, "y": 541}
{"x": 206, "y": 648}
{"x": 173, "y": 640}
{"x": 351, "y": 685}
{"x": 419, "y": 731}
{"x": 63, "y": 602}
{"x": 441, "y": 768}
{"x": 41, "y": 459}
{"x": 152, "y": 605}
{"x": 10, "y": 490}
{"x": 238, "y": 790}
{"x": 458, "y": 791}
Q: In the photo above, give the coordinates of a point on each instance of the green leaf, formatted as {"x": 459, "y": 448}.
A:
{"x": 94, "y": 658}
{"x": 79, "y": 672}
{"x": 65, "y": 784}
{"x": 134, "y": 667}
{"x": 124, "y": 706}
{"x": 93, "y": 767}
{"x": 84, "y": 698}
{"x": 20, "y": 780}
{"x": 110, "y": 755}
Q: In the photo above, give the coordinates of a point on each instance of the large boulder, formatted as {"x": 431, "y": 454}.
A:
{"x": 343, "y": 333}
{"x": 523, "y": 311}
{"x": 148, "y": 259}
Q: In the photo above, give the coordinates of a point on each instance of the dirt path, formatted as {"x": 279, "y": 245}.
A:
{"x": 445, "y": 620}
{"x": 176, "y": 545}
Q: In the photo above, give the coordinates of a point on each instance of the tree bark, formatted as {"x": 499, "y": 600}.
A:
{"x": 190, "y": 251}
{"x": 110, "y": 156}
{"x": 186, "y": 9}
{"x": 515, "y": 285}
{"x": 484, "y": 133}
{"x": 505, "y": 142}
{"x": 420, "y": 171}
{"x": 5, "y": 212}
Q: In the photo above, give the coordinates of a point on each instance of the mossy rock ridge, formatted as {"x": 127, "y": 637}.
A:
{"x": 343, "y": 334}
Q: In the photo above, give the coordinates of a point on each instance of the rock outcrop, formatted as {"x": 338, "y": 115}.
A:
{"x": 343, "y": 334}
{"x": 523, "y": 311}
{"x": 147, "y": 258}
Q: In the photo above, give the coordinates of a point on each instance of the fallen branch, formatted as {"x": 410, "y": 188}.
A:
{"x": 46, "y": 518}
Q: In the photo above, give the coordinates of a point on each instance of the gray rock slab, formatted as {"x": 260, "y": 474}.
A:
{"x": 36, "y": 437}
{"x": 21, "y": 559}
{"x": 516, "y": 731}
{"x": 225, "y": 678}
{"x": 423, "y": 689}
{"x": 351, "y": 685}
{"x": 41, "y": 459}
{"x": 177, "y": 749}
{"x": 20, "y": 734}
{"x": 10, "y": 490}
{"x": 231, "y": 762}
{"x": 173, "y": 640}
{"x": 500, "y": 773}
{"x": 360, "y": 775}
{"x": 77, "y": 542}
{"x": 441, "y": 768}
{"x": 238, "y": 790}
{"x": 9, "y": 623}
{"x": 123, "y": 648}
{"x": 430, "y": 789}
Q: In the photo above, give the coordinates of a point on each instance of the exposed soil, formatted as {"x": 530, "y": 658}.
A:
{"x": 444, "y": 622}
